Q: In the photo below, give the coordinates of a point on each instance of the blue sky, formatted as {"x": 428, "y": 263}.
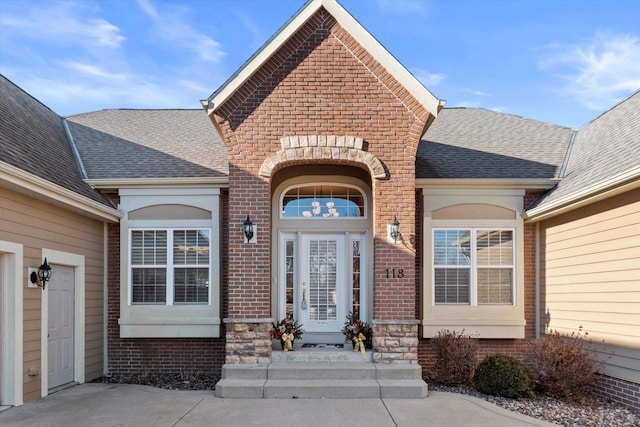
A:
{"x": 559, "y": 61}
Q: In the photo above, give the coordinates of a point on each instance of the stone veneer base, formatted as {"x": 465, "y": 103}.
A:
{"x": 395, "y": 341}
{"x": 248, "y": 340}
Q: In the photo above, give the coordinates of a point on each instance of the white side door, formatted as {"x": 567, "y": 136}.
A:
{"x": 61, "y": 289}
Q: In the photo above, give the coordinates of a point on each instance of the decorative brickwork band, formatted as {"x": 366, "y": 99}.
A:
{"x": 248, "y": 341}
{"x": 347, "y": 149}
{"x": 395, "y": 341}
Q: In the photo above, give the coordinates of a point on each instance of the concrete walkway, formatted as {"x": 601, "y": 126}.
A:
{"x": 133, "y": 405}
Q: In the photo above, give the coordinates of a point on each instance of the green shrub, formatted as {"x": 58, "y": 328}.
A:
{"x": 456, "y": 358}
{"x": 562, "y": 365}
{"x": 503, "y": 375}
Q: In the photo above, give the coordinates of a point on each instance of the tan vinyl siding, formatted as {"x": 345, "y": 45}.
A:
{"x": 591, "y": 270}
{"x": 37, "y": 224}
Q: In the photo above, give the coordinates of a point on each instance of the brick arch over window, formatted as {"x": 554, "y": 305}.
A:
{"x": 322, "y": 147}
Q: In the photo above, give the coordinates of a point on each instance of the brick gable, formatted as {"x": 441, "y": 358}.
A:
{"x": 321, "y": 82}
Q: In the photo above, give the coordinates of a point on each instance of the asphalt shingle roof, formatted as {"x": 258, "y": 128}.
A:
{"x": 120, "y": 144}
{"x": 606, "y": 147}
{"x": 478, "y": 143}
{"x": 32, "y": 138}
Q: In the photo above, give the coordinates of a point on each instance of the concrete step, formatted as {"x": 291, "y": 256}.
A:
{"x": 321, "y": 371}
{"x": 240, "y": 389}
{"x": 317, "y": 380}
{"x": 322, "y": 389}
{"x": 321, "y": 356}
{"x": 245, "y": 372}
{"x": 403, "y": 389}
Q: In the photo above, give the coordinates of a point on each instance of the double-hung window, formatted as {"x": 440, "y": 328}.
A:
{"x": 473, "y": 266}
{"x": 170, "y": 266}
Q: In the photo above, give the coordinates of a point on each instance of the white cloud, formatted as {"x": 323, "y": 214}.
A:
{"x": 427, "y": 78}
{"x": 63, "y": 23}
{"x": 171, "y": 27}
{"x": 599, "y": 72}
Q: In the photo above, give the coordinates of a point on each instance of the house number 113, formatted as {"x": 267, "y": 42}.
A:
{"x": 396, "y": 273}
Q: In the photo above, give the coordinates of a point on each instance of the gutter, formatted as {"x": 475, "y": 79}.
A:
{"x": 467, "y": 183}
{"x": 203, "y": 182}
{"x": 22, "y": 181}
{"x": 626, "y": 181}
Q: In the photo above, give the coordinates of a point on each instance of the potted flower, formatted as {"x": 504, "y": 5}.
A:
{"x": 358, "y": 332}
{"x": 287, "y": 331}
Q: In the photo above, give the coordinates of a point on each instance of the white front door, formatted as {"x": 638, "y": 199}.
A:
{"x": 61, "y": 291}
{"x": 323, "y": 290}
{"x": 321, "y": 279}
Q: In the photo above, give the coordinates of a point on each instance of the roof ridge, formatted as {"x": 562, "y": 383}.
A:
{"x": 29, "y": 95}
{"x": 622, "y": 101}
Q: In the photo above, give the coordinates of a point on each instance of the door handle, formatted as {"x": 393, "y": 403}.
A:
{"x": 304, "y": 297}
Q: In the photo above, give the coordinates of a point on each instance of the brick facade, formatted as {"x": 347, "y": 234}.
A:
{"x": 321, "y": 82}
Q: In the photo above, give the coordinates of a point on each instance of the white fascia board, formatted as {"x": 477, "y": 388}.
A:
{"x": 480, "y": 183}
{"x": 353, "y": 27}
{"x": 627, "y": 181}
{"x": 26, "y": 182}
{"x": 384, "y": 57}
{"x": 159, "y": 182}
{"x": 254, "y": 63}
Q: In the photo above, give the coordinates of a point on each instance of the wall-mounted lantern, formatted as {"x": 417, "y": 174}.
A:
{"x": 394, "y": 229}
{"x": 42, "y": 276}
{"x": 249, "y": 232}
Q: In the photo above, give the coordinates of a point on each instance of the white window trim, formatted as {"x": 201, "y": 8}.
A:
{"x": 11, "y": 323}
{"x": 473, "y": 267}
{"x": 486, "y": 320}
{"x": 178, "y": 320}
{"x": 327, "y": 183}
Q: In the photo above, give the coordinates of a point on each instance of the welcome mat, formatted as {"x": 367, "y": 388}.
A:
{"x": 310, "y": 345}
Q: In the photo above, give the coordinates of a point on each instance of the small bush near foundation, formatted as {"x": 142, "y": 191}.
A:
{"x": 456, "y": 358}
{"x": 562, "y": 365}
{"x": 502, "y": 375}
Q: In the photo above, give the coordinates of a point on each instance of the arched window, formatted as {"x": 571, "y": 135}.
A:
{"x": 324, "y": 201}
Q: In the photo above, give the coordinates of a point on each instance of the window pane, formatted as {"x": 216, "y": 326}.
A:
{"x": 322, "y": 279}
{"x": 191, "y": 247}
{"x": 149, "y": 247}
{"x": 452, "y": 285}
{"x": 452, "y": 247}
{"x": 323, "y": 202}
{"x": 494, "y": 247}
{"x": 148, "y": 285}
{"x": 191, "y": 285}
{"x": 495, "y": 286}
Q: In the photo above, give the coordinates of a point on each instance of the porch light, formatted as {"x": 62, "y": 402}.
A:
{"x": 247, "y": 227}
{"x": 42, "y": 276}
{"x": 394, "y": 229}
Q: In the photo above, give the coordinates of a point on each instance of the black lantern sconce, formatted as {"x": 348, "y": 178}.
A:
{"x": 394, "y": 229}
{"x": 42, "y": 276}
{"x": 247, "y": 228}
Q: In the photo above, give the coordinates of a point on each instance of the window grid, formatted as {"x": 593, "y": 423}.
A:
{"x": 182, "y": 278}
{"x": 473, "y": 266}
{"x": 356, "y": 277}
{"x": 323, "y": 202}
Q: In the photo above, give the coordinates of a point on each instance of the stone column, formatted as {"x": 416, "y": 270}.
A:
{"x": 248, "y": 341}
{"x": 395, "y": 341}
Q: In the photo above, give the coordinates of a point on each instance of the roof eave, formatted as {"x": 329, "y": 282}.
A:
{"x": 388, "y": 61}
{"x": 502, "y": 183}
{"x": 25, "y": 182}
{"x": 627, "y": 181}
{"x": 199, "y": 182}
